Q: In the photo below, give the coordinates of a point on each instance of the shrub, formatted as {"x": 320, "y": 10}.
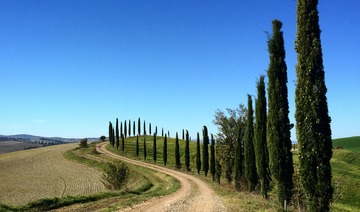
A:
{"x": 116, "y": 176}
{"x": 83, "y": 142}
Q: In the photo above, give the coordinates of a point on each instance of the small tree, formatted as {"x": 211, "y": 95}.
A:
{"x": 177, "y": 152}
{"x": 116, "y": 175}
{"x": 205, "y": 151}
{"x": 212, "y": 158}
{"x": 102, "y": 138}
{"x": 154, "y": 148}
{"x": 83, "y": 143}
{"x": 187, "y": 152}
{"x": 165, "y": 151}
{"x": 137, "y": 147}
{"x": 198, "y": 159}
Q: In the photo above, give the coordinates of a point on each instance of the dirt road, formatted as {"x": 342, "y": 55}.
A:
{"x": 193, "y": 195}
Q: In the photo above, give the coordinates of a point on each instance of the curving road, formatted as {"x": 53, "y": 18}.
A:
{"x": 193, "y": 195}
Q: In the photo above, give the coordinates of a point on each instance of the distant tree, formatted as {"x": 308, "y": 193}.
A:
{"x": 177, "y": 152}
{"x": 117, "y": 133}
{"x": 150, "y": 128}
{"x": 121, "y": 129}
{"x": 165, "y": 151}
{"x": 212, "y": 158}
{"x": 145, "y": 148}
{"x": 312, "y": 116}
{"x": 102, "y": 138}
{"x": 168, "y": 133}
{"x": 198, "y": 159}
{"x": 261, "y": 151}
{"x": 125, "y": 129}
{"x": 137, "y": 146}
{"x": 110, "y": 133}
{"x": 183, "y": 134}
{"x": 134, "y": 133}
{"x": 84, "y": 142}
{"x": 122, "y": 144}
{"x": 187, "y": 152}
{"x": 162, "y": 132}
{"x": 144, "y": 128}
{"x": 139, "y": 127}
{"x": 249, "y": 152}
{"x": 154, "y": 148}
{"x": 129, "y": 127}
{"x": 156, "y": 131}
{"x": 278, "y": 123}
{"x": 205, "y": 151}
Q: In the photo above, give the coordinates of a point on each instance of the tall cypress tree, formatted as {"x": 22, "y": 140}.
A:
{"x": 312, "y": 116}
{"x": 177, "y": 152}
{"x": 156, "y": 131}
{"x": 165, "y": 151}
{"x": 121, "y": 129}
{"x": 110, "y": 133}
{"x": 183, "y": 134}
{"x": 187, "y": 152}
{"x": 198, "y": 159}
{"x": 249, "y": 152}
{"x": 122, "y": 144}
{"x": 137, "y": 147}
{"x": 239, "y": 158}
{"x": 205, "y": 151}
{"x": 212, "y": 158}
{"x": 144, "y": 128}
{"x": 278, "y": 124}
{"x": 261, "y": 151}
{"x": 113, "y": 137}
{"x": 150, "y": 128}
{"x": 145, "y": 153}
{"x": 125, "y": 129}
{"x": 154, "y": 148}
{"x": 134, "y": 133}
{"x": 139, "y": 127}
{"x": 117, "y": 133}
{"x": 129, "y": 128}
{"x": 162, "y": 132}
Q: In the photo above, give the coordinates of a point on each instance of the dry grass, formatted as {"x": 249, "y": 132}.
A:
{"x": 29, "y": 175}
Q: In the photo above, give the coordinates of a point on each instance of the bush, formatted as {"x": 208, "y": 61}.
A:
{"x": 83, "y": 142}
{"x": 116, "y": 176}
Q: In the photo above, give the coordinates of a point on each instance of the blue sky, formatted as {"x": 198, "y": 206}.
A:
{"x": 69, "y": 67}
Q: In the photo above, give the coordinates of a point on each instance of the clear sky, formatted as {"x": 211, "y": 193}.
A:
{"x": 68, "y": 67}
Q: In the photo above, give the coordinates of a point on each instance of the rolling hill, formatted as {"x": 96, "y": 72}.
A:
{"x": 350, "y": 143}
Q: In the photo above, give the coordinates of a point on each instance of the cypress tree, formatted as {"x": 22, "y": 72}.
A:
{"x": 156, "y": 131}
{"x": 139, "y": 127}
{"x": 278, "y": 124}
{"x": 125, "y": 129}
{"x": 168, "y": 133}
{"x": 154, "y": 148}
{"x": 117, "y": 133}
{"x": 150, "y": 128}
{"x": 187, "y": 152}
{"x": 129, "y": 128}
{"x": 238, "y": 158}
{"x": 145, "y": 148}
{"x": 110, "y": 131}
{"x": 162, "y": 132}
{"x": 205, "y": 151}
{"x": 312, "y": 118}
{"x": 183, "y": 134}
{"x": 249, "y": 153}
{"x": 113, "y": 136}
{"x": 165, "y": 151}
{"x": 198, "y": 159}
{"x": 122, "y": 144}
{"x": 134, "y": 128}
{"x": 177, "y": 152}
{"x": 144, "y": 128}
{"x": 212, "y": 158}
{"x": 260, "y": 138}
{"x": 137, "y": 147}
{"x": 121, "y": 129}
{"x": 218, "y": 165}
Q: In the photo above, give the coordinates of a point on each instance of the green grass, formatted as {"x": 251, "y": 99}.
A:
{"x": 351, "y": 143}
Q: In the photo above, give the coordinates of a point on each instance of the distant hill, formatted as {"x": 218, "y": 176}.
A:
{"x": 350, "y": 143}
{"x": 32, "y": 138}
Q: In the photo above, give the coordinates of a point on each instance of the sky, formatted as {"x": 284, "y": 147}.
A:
{"x": 68, "y": 67}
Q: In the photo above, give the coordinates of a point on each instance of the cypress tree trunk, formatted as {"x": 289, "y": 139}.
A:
{"x": 145, "y": 153}
{"x": 137, "y": 147}
{"x": 249, "y": 153}
{"x": 312, "y": 118}
{"x": 205, "y": 151}
{"x": 238, "y": 159}
{"x": 165, "y": 151}
{"x": 177, "y": 152}
{"x": 187, "y": 152}
{"x": 278, "y": 124}
{"x": 212, "y": 158}
{"x": 198, "y": 159}
{"x": 117, "y": 133}
{"x": 154, "y": 148}
{"x": 262, "y": 163}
